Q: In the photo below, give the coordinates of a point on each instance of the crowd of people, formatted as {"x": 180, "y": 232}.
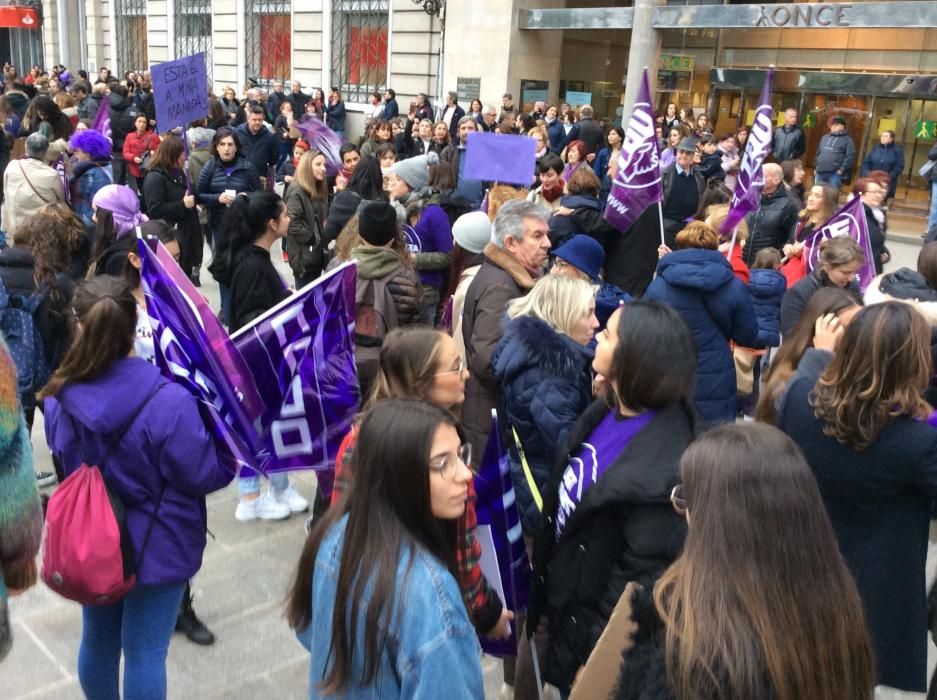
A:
{"x": 748, "y": 467}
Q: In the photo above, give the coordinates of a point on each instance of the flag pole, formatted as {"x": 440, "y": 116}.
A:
{"x": 735, "y": 235}
{"x": 185, "y": 168}
{"x": 660, "y": 217}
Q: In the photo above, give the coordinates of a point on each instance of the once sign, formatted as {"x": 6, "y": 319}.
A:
{"x": 804, "y": 15}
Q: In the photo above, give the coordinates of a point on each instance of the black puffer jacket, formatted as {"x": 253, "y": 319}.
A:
{"x": 771, "y": 225}
{"x": 624, "y": 529}
{"x": 163, "y": 195}
{"x": 797, "y": 297}
{"x": 123, "y": 113}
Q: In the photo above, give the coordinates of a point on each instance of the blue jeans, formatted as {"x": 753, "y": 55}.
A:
{"x": 932, "y": 217}
{"x": 140, "y": 626}
{"x": 832, "y": 179}
{"x": 250, "y": 483}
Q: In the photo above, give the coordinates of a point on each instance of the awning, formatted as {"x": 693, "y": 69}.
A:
{"x": 12, "y": 17}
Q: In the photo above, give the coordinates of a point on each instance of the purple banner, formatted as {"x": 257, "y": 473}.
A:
{"x": 189, "y": 351}
{"x": 302, "y": 356}
{"x": 637, "y": 183}
{"x": 848, "y": 221}
{"x": 321, "y": 138}
{"x": 497, "y": 509}
{"x": 500, "y": 158}
{"x": 180, "y": 90}
{"x": 102, "y": 120}
{"x": 751, "y": 180}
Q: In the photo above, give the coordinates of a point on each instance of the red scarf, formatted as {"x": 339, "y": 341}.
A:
{"x": 551, "y": 194}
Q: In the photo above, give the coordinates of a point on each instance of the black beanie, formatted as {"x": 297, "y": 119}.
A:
{"x": 377, "y": 223}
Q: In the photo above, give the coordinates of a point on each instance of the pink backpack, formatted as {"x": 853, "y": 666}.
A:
{"x": 87, "y": 555}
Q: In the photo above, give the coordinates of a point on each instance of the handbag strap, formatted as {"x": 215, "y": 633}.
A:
{"x": 30, "y": 183}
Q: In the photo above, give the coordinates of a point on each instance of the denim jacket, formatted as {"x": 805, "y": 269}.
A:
{"x": 431, "y": 651}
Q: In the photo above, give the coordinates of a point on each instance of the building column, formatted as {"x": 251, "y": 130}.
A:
{"x": 643, "y": 53}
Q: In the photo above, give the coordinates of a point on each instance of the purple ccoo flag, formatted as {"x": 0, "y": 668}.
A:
{"x": 848, "y": 221}
{"x": 497, "y": 510}
{"x": 199, "y": 357}
{"x": 637, "y": 183}
{"x": 302, "y": 355}
{"x": 321, "y": 138}
{"x": 751, "y": 179}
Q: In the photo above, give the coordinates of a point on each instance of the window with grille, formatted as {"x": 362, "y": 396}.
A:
{"x": 359, "y": 47}
{"x": 131, "y": 40}
{"x": 193, "y": 30}
{"x": 268, "y": 41}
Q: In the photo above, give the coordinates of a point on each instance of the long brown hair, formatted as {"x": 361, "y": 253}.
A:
{"x": 830, "y": 202}
{"x": 315, "y": 189}
{"x": 826, "y": 300}
{"x": 881, "y": 368}
{"x": 749, "y": 613}
{"x": 107, "y": 318}
{"x": 167, "y": 154}
{"x": 408, "y": 364}
{"x": 389, "y": 516}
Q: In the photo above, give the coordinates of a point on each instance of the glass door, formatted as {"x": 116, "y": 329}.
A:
{"x": 918, "y": 140}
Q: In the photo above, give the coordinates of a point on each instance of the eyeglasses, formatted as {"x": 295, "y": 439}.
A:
{"x": 447, "y": 466}
{"x": 460, "y": 366}
{"x": 677, "y": 500}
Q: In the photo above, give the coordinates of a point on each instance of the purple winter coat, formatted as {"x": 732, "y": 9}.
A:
{"x": 166, "y": 445}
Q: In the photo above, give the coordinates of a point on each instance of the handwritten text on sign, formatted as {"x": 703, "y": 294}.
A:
{"x": 180, "y": 89}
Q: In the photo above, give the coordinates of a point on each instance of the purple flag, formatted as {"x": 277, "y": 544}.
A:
{"x": 102, "y": 120}
{"x": 751, "y": 179}
{"x": 189, "y": 351}
{"x": 321, "y": 138}
{"x": 496, "y": 510}
{"x": 180, "y": 91}
{"x": 500, "y": 158}
{"x": 302, "y": 355}
{"x": 848, "y": 221}
{"x": 637, "y": 183}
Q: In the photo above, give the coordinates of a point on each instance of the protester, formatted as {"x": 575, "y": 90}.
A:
{"x": 452, "y": 113}
{"x": 861, "y": 425}
{"x": 123, "y": 117}
{"x": 789, "y": 142}
{"x": 794, "y": 181}
{"x": 827, "y": 303}
{"x": 774, "y": 222}
{"x": 743, "y": 613}
{"x": 306, "y": 204}
{"x": 20, "y": 508}
{"x": 473, "y": 191}
{"x": 698, "y": 281}
{"x": 139, "y": 146}
{"x": 580, "y": 212}
{"x": 282, "y": 126}
{"x": 888, "y": 157}
{"x": 334, "y": 112}
{"x": 716, "y": 215}
{"x": 551, "y": 188}
{"x": 398, "y": 529}
{"x": 840, "y": 260}
{"x": 259, "y": 145}
{"x": 365, "y": 185}
{"x": 582, "y": 258}
{"x": 683, "y": 185}
{"x": 92, "y": 171}
{"x": 286, "y": 171}
{"x": 836, "y": 155}
{"x": 513, "y": 261}
{"x": 350, "y": 157}
{"x": 28, "y": 185}
{"x": 101, "y": 397}
{"x": 167, "y": 197}
{"x": 873, "y": 191}
{"x": 576, "y": 152}
{"x": 610, "y": 523}
{"x": 391, "y": 108}
{"x": 822, "y": 201}
{"x": 669, "y": 151}
{"x": 916, "y": 287}
{"x": 380, "y": 133}
{"x": 471, "y": 233}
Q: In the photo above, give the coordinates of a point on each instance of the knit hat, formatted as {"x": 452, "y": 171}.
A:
{"x": 415, "y": 171}
{"x": 377, "y": 223}
{"x": 123, "y": 205}
{"x": 584, "y": 253}
{"x": 472, "y": 231}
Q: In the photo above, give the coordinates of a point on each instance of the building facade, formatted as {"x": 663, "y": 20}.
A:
{"x": 874, "y": 63}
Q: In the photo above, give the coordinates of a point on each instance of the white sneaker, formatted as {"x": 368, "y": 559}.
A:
{"x": 266, "y": 507}
{"x": 291, "y": 498}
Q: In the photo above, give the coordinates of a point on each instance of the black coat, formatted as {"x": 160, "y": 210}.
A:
{"x": 591, "y": 134}
{"x": 255, "y": 286}
{"x": 631, "y": 256}
{"x": 122, "y": 115}
{"x": 623, "y": 529}
{"x": 213, "y": 181}
{"x": 797, "y": 297}
{"x": 261, "y": 149}
{"x": 305, "y": 239}
{"x": 163, "y": 195}
{"x": 789, "y": 143}
{"x": 880, "y": 503}
{"x": 772, "y": 225}
{"x": 877, "y": 232}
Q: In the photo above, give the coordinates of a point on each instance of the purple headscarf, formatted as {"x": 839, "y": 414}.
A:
{"x": 123, "y": 204}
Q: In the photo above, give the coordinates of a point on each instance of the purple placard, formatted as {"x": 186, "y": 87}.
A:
{"x": 180, "y": 90}
{"x": 500, "y": 158}
{"x": 637, "y": 183}
{"x": 751, "y": 179}
{"x": 302, "y": 356}
{"x": 848, "y": 221}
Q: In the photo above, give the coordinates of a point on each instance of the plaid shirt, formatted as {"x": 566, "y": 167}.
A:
{"x": 480, "y": 598}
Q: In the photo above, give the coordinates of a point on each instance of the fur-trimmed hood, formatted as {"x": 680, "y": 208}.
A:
{"x": 529, "y": 341}
{"x": 904, "y": 285}
{"x": 501, "y": 258}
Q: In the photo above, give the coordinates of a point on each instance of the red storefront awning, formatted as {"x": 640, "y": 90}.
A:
{"x": 13, "y": 17}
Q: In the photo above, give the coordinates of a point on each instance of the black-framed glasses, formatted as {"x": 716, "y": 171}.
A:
{"x": 447, "y": 466}
{"x": 677, "y": 499}
{"x": 460, "y": 365}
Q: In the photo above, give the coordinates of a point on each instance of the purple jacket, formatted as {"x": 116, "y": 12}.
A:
{"x": 432, "y": 234}
{"x": 167, "y": 445}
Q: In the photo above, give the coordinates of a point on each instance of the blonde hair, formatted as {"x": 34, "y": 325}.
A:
{"x": 316, "y": 189}
{"x": 716, "y": 215}
{"x": 556, "y": 300}
{"x": 500, "y": 194}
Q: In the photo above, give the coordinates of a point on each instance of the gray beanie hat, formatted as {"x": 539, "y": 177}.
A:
{"x": 415, "y": 171}
{"x": 472, "y": 231}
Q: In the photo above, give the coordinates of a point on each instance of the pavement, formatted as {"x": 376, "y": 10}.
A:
{"x": 239, "y": 593}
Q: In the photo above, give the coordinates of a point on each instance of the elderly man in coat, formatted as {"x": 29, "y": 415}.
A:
{"x": 29, "y": 184}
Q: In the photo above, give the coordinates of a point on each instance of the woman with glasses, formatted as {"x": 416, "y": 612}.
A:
{"x": 606, "y": 517}
{"x": 424, "y": 364}
{"x": 872, "y": 189}
{"x": 861, "y": 423}
{"x": 375, "y": 598}
{"x": 744, "y": 612}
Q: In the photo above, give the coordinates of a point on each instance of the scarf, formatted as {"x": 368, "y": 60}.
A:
{"x": 551, "y": 194}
